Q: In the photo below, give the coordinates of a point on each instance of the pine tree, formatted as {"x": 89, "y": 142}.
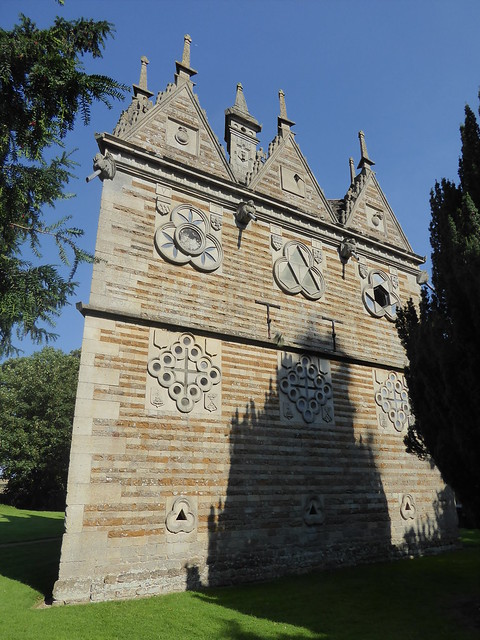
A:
{"x": 43, "y": 87}
{"x": 442, "y": 336}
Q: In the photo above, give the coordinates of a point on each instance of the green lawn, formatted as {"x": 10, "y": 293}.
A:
{"x": 428, "y": 598}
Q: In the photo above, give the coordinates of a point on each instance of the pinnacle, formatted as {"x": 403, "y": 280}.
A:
{"x": 364, "y": 159}
{"x": 240, "y": 102}
{"x": 141, "y": 88}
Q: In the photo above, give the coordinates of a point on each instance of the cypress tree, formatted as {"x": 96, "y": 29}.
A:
{"x": 442, "y": 336}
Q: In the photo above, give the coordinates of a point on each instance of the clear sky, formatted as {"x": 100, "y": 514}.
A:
{"x": 400, "y": 70}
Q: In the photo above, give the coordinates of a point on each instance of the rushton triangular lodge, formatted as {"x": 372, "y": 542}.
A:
{"x": 241, "y": 403}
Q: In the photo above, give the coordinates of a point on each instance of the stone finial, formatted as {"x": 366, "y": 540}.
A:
{"x": 283, "y": 107}
{"x": 184, "y": 71}
{"x": 284, "y": 123}
{"x": 187, "y": 41}
{"x": 352, "y": 170}
{"x": 240, "y": 102}
{"x": 364, "y": 159}
{"x": 143, "y": 72}
{"x": 141, "y": 88}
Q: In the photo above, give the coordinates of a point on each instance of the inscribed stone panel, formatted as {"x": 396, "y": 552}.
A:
{"x": 184, "y": 374}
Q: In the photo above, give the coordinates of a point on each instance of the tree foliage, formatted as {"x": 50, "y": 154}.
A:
{"x": 43, "y": 87}
{"x": 442, "y": 336}
{"x": 37, "y": 401}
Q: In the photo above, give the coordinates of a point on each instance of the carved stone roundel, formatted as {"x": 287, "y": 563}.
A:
{"x": 186, "y": 371}
{"x": 295, "y": 272}
{"x": 379, "y": 297}
{"x": 182, "y": 136}
{"x": 187, "y": 238}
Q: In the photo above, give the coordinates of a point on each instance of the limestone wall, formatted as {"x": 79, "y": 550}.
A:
{"x": 241, "y": 404}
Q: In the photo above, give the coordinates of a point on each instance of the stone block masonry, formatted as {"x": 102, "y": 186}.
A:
{"x": 241, "y": 403}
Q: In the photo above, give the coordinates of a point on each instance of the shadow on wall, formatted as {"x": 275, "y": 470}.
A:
{"x": 300, "y": 495}
{"x": 439, "y": 531}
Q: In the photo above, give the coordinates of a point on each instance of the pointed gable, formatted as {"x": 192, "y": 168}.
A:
{"x": 368, "y": 212}
{"x": 286, "y": 176}
{"x": 176, "y": 127}
{"x": 366, "y": 207}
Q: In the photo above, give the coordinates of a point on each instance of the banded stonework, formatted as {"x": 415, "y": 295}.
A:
{"x": 241, "y": 403}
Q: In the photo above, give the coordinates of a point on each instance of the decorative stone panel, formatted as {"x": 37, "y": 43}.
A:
{"x": 391, "y": 399}
{"x": 379, "y": 296}
{"x": 314, "y": 511}
{"x": 189, "y": 237}
{"x": 292, "y": 182}
{"x": 181, "y": 516}
{"x": 408, "y": 510}
{"x": 305, "y": 389}
{"x": 184, "y": 374}
{"x": 295, "y": 271}
{"x": 276, "y": 239}
{"x": 375, "y": 218}
{"x": 181, "y": 136}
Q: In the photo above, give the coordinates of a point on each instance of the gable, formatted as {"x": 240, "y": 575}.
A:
{"x": 286, "y": 176}
{"x": 369, "y": 213}
{"x": 177, "y": 128}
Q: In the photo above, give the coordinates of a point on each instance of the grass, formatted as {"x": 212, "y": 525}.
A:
{"x": 21, "y": 526}
{"x": 429, "y": 598}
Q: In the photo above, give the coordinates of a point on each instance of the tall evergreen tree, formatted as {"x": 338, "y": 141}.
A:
{"x": 43, "y": 86}
{"x": 442, "y": 336}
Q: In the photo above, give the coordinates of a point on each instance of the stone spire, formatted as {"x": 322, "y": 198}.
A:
{"x": 184, "y": 71}
{"x": 352, "y": 170}
{"x": 364, "y": 159}
{"x": 284, "y": 123}
{"x": 141, "y": 88}
{"x": 241, "y": 130}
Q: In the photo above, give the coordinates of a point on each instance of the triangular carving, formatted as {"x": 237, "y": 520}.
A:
{"x": 367, "y": 211}
{"x": 176, "y": 127}
{"x": 285, "y": 175}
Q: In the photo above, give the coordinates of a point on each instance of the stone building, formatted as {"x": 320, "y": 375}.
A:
{"x": 241, "y": 403}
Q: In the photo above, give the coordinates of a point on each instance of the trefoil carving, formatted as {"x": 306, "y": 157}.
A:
{"x": 295, "y": 272}
{"x": 408, "y": 509}
{"x": 314, "y": 512}
{"x": 181, "y": 518}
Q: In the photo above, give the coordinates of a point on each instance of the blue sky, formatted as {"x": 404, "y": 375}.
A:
{"x": 400, "y": 70}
